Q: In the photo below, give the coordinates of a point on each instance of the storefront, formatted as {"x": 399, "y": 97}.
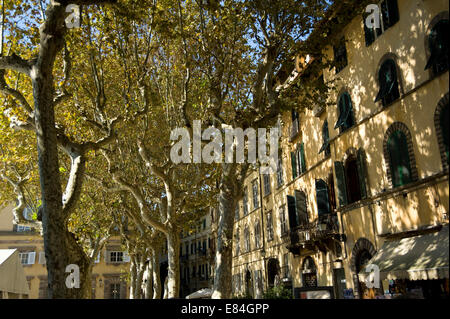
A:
{"x": 413, "y": 267}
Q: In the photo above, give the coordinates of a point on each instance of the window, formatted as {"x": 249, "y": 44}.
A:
{"x": 116, "y": 257}
{"x": 269, "y": 226}
{"x": 22, "y": 228}
{"x": 323, "y": 204}
{"x": 238, "y": 243}
{"x": 258, "y": 242}
{"x": 388, "y": 81}
{"x": 325, "y": 140}
{"x": 267, "y": 189}
{"x": 295, "y": 128}
{"x": 280, "y": 180}
{"x": 438, "y": 46}
{"x": 246, "y": 240}
{"x": 255, "y": 194}
{"x": 400, "y": 163}
{"x": 346, "y": 119}
{"x": 340, "y": 56}
{"x": 298, "y": 161}
{"x": 27, "y": 258}
{"x": 236, "y": 212}
{"x": 286, "y": 273}
{"x": 245, "y": 201}
{"x": 297, "y": 209}
{"x": 283, "y": 225}
{"x": 351, "y": 179}
{"x": 389, "y": 16}
{"x": 309, "y": 273}
{"x": 115, "y": 291}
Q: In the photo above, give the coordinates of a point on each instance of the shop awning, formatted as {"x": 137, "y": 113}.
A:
{"x": 421, "y": 257}
{"x": 12, "y": 275}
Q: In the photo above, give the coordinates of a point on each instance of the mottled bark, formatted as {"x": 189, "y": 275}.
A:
{"x": 148, "y": 291}
{"x": 173, "y": 282}
{"x": 222, "y": 288}
{"x": 156, "y": 278}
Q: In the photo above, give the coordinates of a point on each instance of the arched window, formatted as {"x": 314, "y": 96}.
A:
{"x": 438, "y": 46}
{"x": 388, "y": 81}
{"x": 309, "y": 273}
{"x": 346, "y": 118}
{"x": 399, "y": 155}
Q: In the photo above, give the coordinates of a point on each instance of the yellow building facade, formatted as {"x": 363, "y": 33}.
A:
{"x": 367, "y": 171}
{"x": 109, "y": 273}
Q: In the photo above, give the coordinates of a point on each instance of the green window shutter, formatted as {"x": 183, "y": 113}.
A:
{"x": 302, "y": 157}
{"x": 292, "y": 212}
{"x": 361, "y": 162}
{"x": 294, "y": 165}
{"x": 393, "y": 13}
{"x": 345, "y": 120}
{"x": 302, "y": 212}
{"x": 340, "y": 179}
{"x": 326, "y": 139}
{"x": 323, "y": 204}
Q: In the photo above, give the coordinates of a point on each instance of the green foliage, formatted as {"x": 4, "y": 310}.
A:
{"x": 278, "y": 292}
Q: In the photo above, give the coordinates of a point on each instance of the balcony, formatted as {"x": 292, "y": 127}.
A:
{"x": 318, "y": 235}
{"x": 294, "y": 130}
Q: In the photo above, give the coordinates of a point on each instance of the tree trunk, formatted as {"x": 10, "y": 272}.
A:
{"x": 133, "y": 278}
{"x": 149, "y": 281}
{"x": 222, "y": 288}
{"x": 61, "y": 247}
{"x": 173, "y": 247}
{"x": 140, "y": 268}
{"x": 156, "y": 278}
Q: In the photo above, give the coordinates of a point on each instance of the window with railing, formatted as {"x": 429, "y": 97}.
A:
{"x": 283, "y": 223}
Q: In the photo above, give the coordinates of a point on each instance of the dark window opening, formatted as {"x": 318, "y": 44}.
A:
{"x": 438, "y": 45}
{"x": 400, "y": 163}
{"x": 352, "y": 177}
{"x": 443, "y": 121}
{"x": 387, "y": 78}
{"x": 340, "y": 56}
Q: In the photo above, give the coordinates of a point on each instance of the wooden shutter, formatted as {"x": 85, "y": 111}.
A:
{"x": 323, "y": 205}
{"x": 340, "y": 180}
{"x": 107, "y": 254}
{"x": 31, "y": 258}
{"x": 292, "y": 212}
{"x": 302, "y": 212}
{"x": 294, "y": 165}
{"x": 42, "y": 258}
{"x": 362, "y": 172}
{"x": 302, "y": 158}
